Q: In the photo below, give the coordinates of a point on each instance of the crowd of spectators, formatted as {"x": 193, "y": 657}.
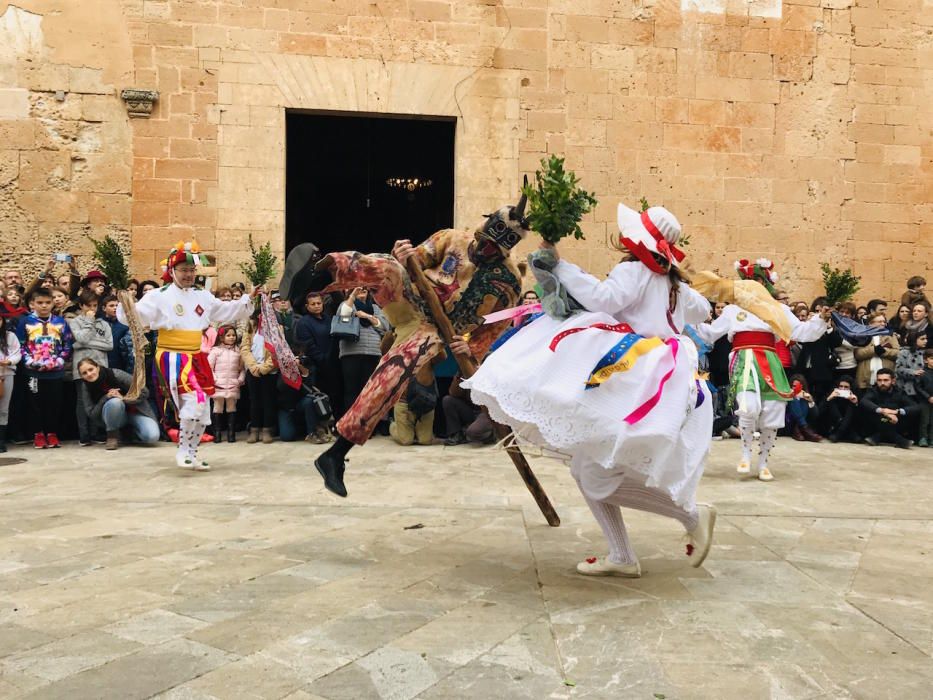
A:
{"x": 873, "y": 388}
{"x": 66, "y": 364}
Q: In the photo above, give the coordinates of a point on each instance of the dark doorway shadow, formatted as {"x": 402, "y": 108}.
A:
{"x": 338, "y": 165}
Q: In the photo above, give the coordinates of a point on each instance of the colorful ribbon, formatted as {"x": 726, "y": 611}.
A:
{"x": 617, "y": 328}
{"x": 513, "y": 313}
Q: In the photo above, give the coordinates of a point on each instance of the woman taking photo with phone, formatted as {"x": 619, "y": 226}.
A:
{"x": 358, "y": 358}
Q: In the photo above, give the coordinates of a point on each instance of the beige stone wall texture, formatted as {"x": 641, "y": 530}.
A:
{"x": 794, "y": 130}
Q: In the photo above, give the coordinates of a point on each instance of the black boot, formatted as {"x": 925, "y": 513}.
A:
{"x": 2, "y": 438}
{"x": 330, "y": 465}
{"x": 217, "y": 426}
{"x": 231, "y": 427}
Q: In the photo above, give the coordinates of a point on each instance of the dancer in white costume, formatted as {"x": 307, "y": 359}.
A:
{"x": 758, "y": 381}
{"x": 615, "y": 388}
{"x": 180, "y": 312}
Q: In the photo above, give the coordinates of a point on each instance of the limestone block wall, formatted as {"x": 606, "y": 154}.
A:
{"x": 796, "y": 129}
{"x": 65, "y": 142}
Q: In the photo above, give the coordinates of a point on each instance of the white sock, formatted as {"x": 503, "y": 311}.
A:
{"x": 768, "y": 436}
{"x": 747, "y": 431}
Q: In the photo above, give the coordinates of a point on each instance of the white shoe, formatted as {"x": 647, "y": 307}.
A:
{"x": 743, "y": 468}
{"x": 701, "y": 537}
{"x": 601, "y": 566}
{"x": 186, "y": 462}
{"x": 764, "y": 474}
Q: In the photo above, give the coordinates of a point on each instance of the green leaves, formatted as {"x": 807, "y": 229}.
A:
{"x": 840, "y": 285}
{"x": 555, "y": 203}
{"x": 112, "y": 262}
{"x": 262, "y": 267}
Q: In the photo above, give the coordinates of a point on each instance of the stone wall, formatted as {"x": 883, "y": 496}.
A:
{"x": 796, "y": 130}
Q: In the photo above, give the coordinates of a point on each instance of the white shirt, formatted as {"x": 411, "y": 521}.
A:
{"x": 734, "y": 319}
{"x": 174, "y": 308}
{"x": 635, "y": 295}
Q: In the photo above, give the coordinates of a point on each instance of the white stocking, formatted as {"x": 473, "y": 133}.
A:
{"x": 610, "y": 521}
{"x": 193, "y": 418}
{"x": 640, "y": 497}
{"x": 747, "y": 430}
{"x": 768, "y": 436}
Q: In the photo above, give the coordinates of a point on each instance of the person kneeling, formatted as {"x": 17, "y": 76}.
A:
{"x": 885, "y": 406}
{"x": 414, "y": 416}
{"x": 105, "y": 392}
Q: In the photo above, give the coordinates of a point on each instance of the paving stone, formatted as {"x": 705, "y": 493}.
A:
{"x": 252, "y": 582}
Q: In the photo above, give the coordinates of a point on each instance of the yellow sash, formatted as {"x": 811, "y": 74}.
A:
{"x": 179, "y": 341}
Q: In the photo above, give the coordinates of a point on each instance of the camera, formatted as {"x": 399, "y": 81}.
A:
{"x": 844, "y": 393}
{"x": 63, "y": 257}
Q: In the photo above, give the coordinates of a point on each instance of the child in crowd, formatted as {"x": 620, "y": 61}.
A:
{"x": 92, "y": 339}
{"x": 9, "y": 358}
{"x": 116, "y": 358}
{"x": 229, "y": 375}
{"x": 915, "y": 293}
{"x": 260, "y": 365}
{"x": 47, "y": 345}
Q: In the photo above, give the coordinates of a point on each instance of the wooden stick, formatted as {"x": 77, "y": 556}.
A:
{"x": 128, "y": 302}
{"x": 468, "y": 367}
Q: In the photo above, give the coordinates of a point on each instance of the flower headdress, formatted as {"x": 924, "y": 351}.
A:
{"x": 183, "y": 252}
{"x": 761, "y": 270}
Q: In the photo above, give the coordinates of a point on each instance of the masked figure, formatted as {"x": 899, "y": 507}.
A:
{"x": 473, "y": 275}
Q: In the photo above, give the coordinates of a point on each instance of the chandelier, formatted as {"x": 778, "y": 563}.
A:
{"x": 410, "y": 184}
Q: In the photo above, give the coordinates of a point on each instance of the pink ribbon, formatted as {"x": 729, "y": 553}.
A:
{"x": 513, "y": 313}
{"x": 649, "y": 405}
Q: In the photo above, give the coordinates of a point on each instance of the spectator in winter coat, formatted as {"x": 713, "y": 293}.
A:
{"x": 909, "y": 367}
{"x": 229, "y": 375}
{"x": 839, "y": 410}
{"x": 47, "y": 345}
{"x": 925, "y": 399}
{"x": 108, "y": 312}
{"x": 312, "y": 335}
{"x": 359, "y": 358}
{"x": 880, "y": 352}
{"x": 260, "y": 379}
{"x": 92, "y": 339}
{"x": 885, "y": 406}
{"x": 9, "y": 358}
{"x": 106, "y": 403}
{"x": 816, "y": 360}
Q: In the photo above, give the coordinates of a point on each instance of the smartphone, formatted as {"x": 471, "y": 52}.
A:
{"x": 63, "y": 257}
{"x": 844, "y": 393}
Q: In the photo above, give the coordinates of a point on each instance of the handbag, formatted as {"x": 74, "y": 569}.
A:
{"x": 345, "y": 328}
{"x": 320, "y": 402}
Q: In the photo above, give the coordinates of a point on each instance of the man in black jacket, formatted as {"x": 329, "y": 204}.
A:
{"x": 312, "y": 335}
{"x": 885, "y": 406}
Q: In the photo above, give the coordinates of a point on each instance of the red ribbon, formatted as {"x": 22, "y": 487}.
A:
{"x": 617, "y": 328}
{"x": 668, "y": 250}
{"x": 649, "y": 405}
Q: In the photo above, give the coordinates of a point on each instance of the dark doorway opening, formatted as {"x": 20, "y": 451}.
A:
{"x": 338, "y": 168}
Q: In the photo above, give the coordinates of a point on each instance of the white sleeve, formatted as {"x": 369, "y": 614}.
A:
{"x": 229, "y": 311}
{"x": 147, "y": 309}
{"x": 711, "y": 332}
{"x": 612, "y": 295}
{"x": 696, "y": 306}
{"x": 806, "y": 331}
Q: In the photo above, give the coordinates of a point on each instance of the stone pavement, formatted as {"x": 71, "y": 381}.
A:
{"x": 122, "y": 577}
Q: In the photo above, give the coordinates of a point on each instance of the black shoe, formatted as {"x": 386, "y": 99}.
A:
{"x": 902, "y": 442}
{"x": 871, "y": 441}
{"x": 331, "y": 469}
{"x": 832, "y": 437}
{"x": 455, "y": 439}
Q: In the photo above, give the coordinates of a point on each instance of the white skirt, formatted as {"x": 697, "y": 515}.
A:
{"x": 542, "y": 395}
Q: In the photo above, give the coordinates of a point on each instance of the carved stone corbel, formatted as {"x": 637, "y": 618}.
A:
{"x": 139, "y": 102}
